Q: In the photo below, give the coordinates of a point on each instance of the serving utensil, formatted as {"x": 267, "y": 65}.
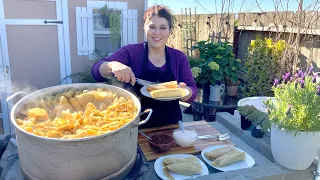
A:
{"x": 181, "y": 125}
{"x": 143, "y": 134}
{"x": 144, "y": 82}
{"x": 221, "y": 137}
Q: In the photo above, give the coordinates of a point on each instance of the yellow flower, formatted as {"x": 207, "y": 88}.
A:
{"x": 252, "y": 43}
{"x": 269, "y": 42}
{"x": 280, "y": 45}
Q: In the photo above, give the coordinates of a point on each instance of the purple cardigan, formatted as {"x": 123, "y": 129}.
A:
{"x": 132, "y": 56}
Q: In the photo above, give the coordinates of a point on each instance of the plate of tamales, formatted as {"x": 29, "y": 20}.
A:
{"x": 179, "y": 166}
{"x": 227, "y": 158}
{"x": 166, "y": 91}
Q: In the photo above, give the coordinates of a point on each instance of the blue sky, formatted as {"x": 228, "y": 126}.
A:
{"x": 208, "y": 6}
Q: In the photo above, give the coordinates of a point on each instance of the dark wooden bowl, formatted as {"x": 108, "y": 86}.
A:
{"x": 161, "y": 142}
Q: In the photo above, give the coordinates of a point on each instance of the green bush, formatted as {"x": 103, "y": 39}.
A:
{"x": 194, "y": 61}
{"x": 262, "y": 64}
{"x": 257, "y": 117}
{"x": 219, "y": 63}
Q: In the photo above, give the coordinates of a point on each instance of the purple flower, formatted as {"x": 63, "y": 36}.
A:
{"x": 309, "y": 70}
{"x": 275, "y": 82}
{"x": 299, "y": 72}
{"x": 303, "y": 75}
{"x": 291, "y": 79}
{"x": 288, "y": 75}
{"x": 285, "y": 78}
{"x": 314, "y": 78}
{"x": 318, "y": 92}
{"x": 302, "y": 83}
{"x": 296, "y": 75}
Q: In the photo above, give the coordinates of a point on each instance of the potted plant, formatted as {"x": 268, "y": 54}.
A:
{"x": 231, "y": 70}
{"x": 232, "y": 87}
{"x": 295, "y": 116}
{"x": 260, "y": 121}
{"x": 244, "y": 112}
{"x": 211, "y": 71}
{"x": 104, "y": 15}
{"x": 250, "y": 115}
{"x": 111, "y": 19}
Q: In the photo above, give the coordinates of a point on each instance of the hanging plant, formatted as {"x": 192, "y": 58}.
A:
{"x": 104, "y": 14}
{"x": 115, "y": 27}
{"x": 111, "y": 19}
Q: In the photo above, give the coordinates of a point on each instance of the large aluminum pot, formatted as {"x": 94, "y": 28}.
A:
{"x": 108, "y": 156}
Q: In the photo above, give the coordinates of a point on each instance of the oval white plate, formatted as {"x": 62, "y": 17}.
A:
{"x": 146, "y": 93}
{"x": 247, "y": 163}
{"x": 158, "y": 167}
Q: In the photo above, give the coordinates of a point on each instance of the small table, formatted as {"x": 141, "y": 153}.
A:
{"x": 203, "y": 108}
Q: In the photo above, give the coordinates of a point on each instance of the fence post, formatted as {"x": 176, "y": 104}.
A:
{"x": 236, "y": 36}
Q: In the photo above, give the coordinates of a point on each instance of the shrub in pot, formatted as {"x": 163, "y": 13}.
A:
{"x": 295, "y": 116}
{"x": 259, "y": 120}
{"x": 219, "y": 63}
{"x": 231, "y": 70}
{"x": 244, "y": 111}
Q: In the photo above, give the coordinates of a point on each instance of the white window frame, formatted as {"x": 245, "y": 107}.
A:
{"x": 121, "y": 6}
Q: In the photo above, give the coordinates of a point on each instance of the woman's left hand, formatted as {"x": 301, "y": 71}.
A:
{"x": 184, "y": 85}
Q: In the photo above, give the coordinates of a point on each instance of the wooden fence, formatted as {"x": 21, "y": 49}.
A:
{"x": 191, "y": 28}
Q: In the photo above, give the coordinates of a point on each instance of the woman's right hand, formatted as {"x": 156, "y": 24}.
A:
{"x": 122, "y": 72}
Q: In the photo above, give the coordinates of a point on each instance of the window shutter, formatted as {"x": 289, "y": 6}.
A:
{"x": 129, "y": 26}
{"x": 84, "y": 23}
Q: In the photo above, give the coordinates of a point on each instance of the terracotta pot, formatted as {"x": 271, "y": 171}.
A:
{"x": 196, "y": 53}
{"x": 232, "y": 90}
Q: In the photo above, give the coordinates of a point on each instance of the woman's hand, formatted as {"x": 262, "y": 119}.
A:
{"x": 122, "y": 72}
{"x": 184, "y": 85}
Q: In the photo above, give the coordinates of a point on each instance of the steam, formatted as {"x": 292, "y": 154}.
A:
{"x": 19, "y": 86}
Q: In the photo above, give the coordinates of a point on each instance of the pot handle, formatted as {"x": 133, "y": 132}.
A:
{"x": 148, "y": 117}
{"x": 14, "y": 95}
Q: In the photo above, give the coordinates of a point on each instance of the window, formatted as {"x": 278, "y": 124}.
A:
{"x": 94, "y": 32}
{"x": 104, "y": 44}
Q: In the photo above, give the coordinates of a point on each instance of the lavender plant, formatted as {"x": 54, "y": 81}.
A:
{"x": 295, "y": 106}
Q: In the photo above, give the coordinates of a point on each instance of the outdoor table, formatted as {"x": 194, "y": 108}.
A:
{"x": 263, "y": 166}
{"x": 147, "y": 171}
{"x": 203, "y": 108}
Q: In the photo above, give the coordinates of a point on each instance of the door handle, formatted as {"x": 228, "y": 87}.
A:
{"x": 54, "y": 22}
{"x": 7, "y": 69}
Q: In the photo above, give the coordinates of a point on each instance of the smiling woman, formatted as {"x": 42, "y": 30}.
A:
{"x": 152, "y": 61}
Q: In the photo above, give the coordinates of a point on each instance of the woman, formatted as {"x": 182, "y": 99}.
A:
{"x": 152, "y": 61}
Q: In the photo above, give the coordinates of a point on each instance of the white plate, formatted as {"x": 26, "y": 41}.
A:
{"x": 158, "y": 167}
{"x": 247, "y": 163}
{"x": 146, "y": 93}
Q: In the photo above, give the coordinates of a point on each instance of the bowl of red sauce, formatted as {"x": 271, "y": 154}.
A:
{"x": 161, "y": 142}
